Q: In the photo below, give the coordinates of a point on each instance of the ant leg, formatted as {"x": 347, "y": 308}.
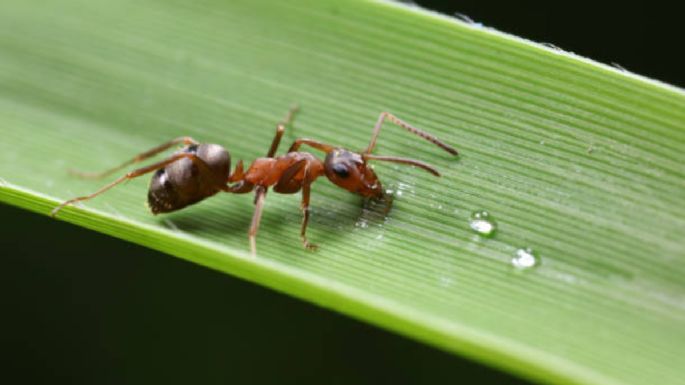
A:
{"x": 287, "y": 184}
{"x": 312, "y": 143}
{"x": 256, "y": 218}
{"x": 130, "y": 175}
{"x": 389, "y": 199}
{"x": 140, "y": 157}
{"x": 280, "y": 129}
{"x": 423, "y": 134}
{"x": 305, "y": 210}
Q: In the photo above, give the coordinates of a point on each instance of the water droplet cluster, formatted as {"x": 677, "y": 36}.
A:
{"x": 482, "y": 223}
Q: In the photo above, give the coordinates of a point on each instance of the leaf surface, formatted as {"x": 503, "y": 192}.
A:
{"x": 579, "y": 161}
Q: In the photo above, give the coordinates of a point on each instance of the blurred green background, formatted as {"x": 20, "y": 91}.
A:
{"x": 103, "y": 311}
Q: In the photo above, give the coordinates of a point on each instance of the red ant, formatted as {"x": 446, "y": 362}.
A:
{"x": 198, "y": 171}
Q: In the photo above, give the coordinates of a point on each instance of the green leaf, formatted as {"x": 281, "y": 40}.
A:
{"x": 579, "y": 161}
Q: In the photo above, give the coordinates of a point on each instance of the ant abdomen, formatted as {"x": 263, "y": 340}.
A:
{"x": 189, "y": 181}
{"x": 217, "y": 159}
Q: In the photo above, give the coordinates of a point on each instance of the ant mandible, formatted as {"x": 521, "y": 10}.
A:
{"x": 198, "y": 171}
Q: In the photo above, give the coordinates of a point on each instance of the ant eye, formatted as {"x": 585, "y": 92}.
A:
{"x": 341, "y": 170}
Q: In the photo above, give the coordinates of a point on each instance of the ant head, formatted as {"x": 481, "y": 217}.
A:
{"x": 350, "y": 171}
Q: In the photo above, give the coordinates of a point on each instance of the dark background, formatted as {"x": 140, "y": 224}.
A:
{"x": 80, "y": 307}
{"x": 645, "y": 37}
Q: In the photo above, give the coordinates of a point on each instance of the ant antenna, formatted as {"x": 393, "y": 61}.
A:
{"x": 397, "y": 159}
{"x": 408, "y": 127}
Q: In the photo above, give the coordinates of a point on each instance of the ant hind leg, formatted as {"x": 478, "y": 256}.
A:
{"x": 128, "y": 176}
{"x": 138, "y": 158}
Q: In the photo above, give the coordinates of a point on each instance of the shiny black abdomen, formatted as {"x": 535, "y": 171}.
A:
{"x": 185, "y": 181}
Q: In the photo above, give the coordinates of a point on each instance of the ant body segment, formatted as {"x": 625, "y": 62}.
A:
{"x": 198, "y": 171}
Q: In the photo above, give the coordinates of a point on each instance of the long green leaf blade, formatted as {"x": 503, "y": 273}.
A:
{"x": 578, "y": 161}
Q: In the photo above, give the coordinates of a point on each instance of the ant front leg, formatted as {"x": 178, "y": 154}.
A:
{"x": 130, "y": 175}
{"x": 305, "y": 214}
{"x": 288, "y": 184}
{"x": 138, "y": 158}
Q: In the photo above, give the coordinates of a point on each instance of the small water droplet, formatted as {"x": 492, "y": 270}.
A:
{"x": 446, "y": 281}
{"x": 619, "y": 67}
{"x": 171, "y": 225}
{"x": 482, "y": 223}
{"x": 552, "y": 46}
{"x": 464, "y": 18}
{"x": 403, "y": 187}
{"x": 525, "y": 258}
{"x": 363, "y": 223}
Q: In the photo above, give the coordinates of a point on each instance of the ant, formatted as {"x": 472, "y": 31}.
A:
{"x": 200, "y": 170}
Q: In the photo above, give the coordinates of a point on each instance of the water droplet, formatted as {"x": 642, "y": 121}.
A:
{"x": 525, "y": 258}
{"x": 619, "y": 67}
{"x": 403, "y": 187}
{"x": 481, "y": 223}
{"x": 171, "y": 225}
{"x": 436, "y": 205}
{"x": 464, "y": 18}
{"x": 446, "y": 281}
{"x": 552, "y": 46}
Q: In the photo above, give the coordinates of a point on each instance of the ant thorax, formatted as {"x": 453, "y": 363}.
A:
{"x": 293, "y": 166}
